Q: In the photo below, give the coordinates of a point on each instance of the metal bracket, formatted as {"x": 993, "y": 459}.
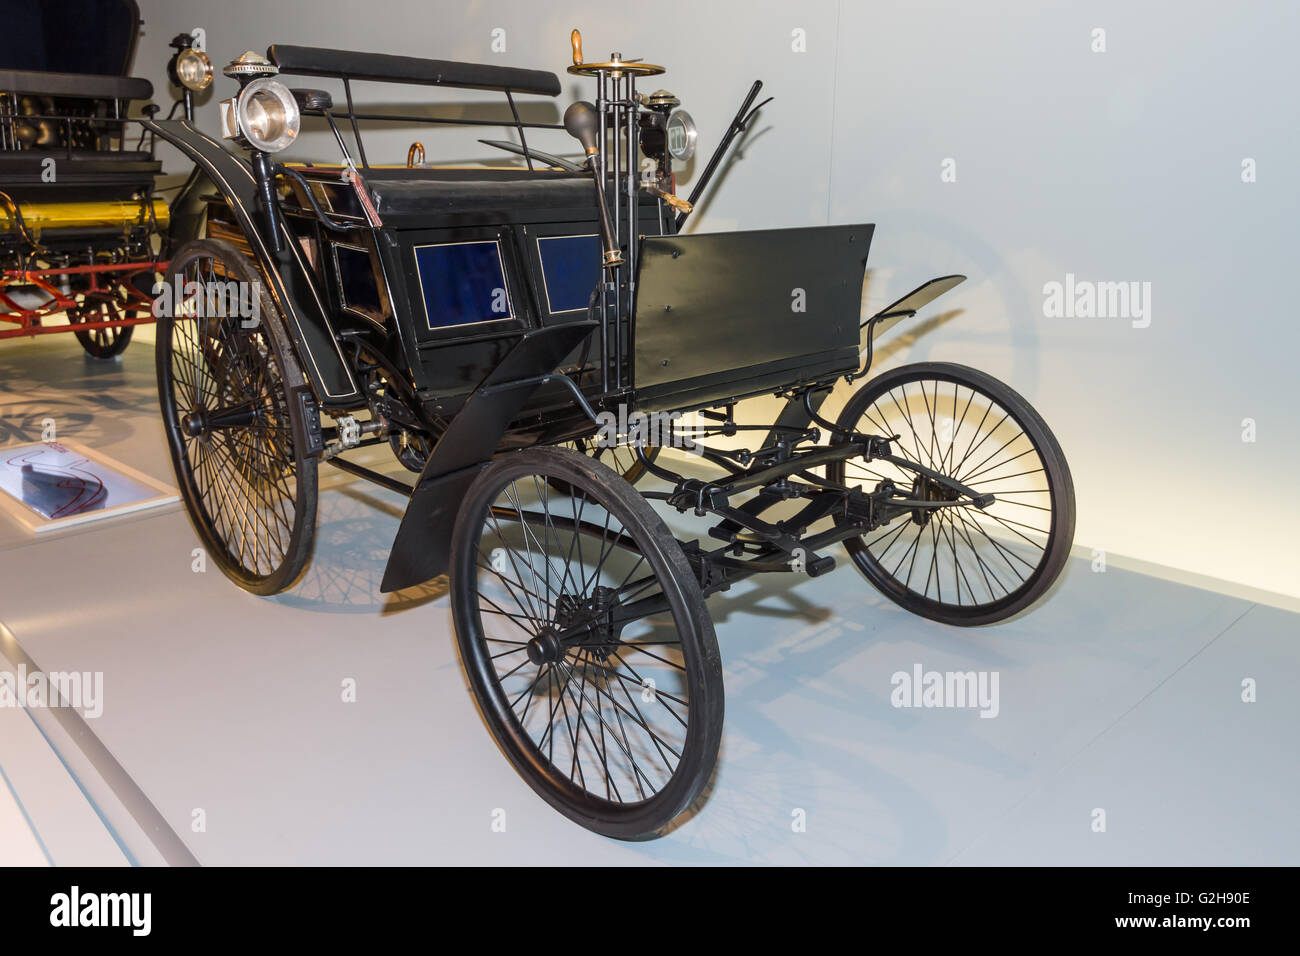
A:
{"x": 313, "y": 443}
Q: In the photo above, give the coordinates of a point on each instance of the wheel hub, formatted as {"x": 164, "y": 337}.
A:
{"x": 203, "y": 420}
{"x": 195, "y": 423}
{"x": 927, "y": 489}
{"x": 545, "y": 648}
{"x": 591, "y": 614}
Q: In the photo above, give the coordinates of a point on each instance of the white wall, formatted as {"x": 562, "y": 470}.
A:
{"x": 1116, "y": 165}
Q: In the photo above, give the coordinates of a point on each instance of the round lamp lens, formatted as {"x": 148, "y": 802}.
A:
{"x": 194, "y": 70}
{"x": 681, "y": 136}
{"x": 268, "y": 115}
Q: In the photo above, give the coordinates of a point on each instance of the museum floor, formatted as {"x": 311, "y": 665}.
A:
{"x": 224, "y": 740}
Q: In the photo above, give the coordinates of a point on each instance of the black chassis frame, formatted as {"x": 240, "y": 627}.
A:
{"x": 537, "y": 378}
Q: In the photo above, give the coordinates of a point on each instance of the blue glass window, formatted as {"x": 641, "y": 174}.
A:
{"x": 462, "y": 282}
{"x": 571, "y": 269}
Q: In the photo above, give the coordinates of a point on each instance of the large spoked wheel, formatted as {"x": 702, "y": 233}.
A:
{"x": 586, "y": 641}
{"x": 223, "y": 383}
{"x": 961, "y": 564}
{"x": 105, "y": 305}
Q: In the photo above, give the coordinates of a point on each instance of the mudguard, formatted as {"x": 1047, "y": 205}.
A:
{"x": 287, "y": 275}
{"x": 422, "y": 548}
{"x": 188, "y": 209}
{"x": 913, "y": 302}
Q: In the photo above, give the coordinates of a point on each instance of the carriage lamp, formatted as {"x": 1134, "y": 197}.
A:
{"x": 267, "y": 115}
{"x": 192, "y": 69}
{"x": 660, "y": 100}
{"x": 189, "y": 69}
{"x": 264, "y": 115}
{"x": 249, "y": 66}
{"x": 682, "y": 136}
{"x": 652, "y": 120}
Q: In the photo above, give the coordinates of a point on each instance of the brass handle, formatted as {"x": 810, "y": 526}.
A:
{"x": 417, "y": 149}
{"x": 676, "y": 202}
{"x": 616, "y": 67}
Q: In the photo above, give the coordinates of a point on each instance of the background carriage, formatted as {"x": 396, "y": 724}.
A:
{"x": 478, "y": 320}
{"x": 83, "y": 231}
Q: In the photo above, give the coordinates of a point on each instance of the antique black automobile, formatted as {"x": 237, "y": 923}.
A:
{"x": 516, "y": 334}
{"x": 83, "y": 232}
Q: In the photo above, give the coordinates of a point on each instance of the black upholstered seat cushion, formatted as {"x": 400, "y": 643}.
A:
{"x": 428, "y": 196}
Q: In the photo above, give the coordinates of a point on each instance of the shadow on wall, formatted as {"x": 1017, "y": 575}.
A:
{"x": 686, "y": 176}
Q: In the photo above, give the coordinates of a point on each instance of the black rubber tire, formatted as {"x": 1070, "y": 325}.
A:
{"x": 276, "y": 365}
{"x": 1060, "y": 488}
{"x": 643, "y": 534}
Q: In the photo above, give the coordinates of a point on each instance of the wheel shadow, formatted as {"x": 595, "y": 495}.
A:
{"x": 355, "y": 528}
{"x": 74, "y": 390}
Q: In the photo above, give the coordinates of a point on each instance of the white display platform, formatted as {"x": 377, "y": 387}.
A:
{"x": 48, "y": 485}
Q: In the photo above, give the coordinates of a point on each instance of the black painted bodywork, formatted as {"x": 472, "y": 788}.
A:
{"x": 701, "y": 321}
{"x": 420, "y": 207}
{"x": 723, "y": 315}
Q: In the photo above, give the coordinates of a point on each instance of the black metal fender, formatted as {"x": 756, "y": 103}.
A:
{"x": 422, "y": 548}
{"x": 914, "y": 301}
{"x": 188, "y": 210}
{"x": 287, "y": 274}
